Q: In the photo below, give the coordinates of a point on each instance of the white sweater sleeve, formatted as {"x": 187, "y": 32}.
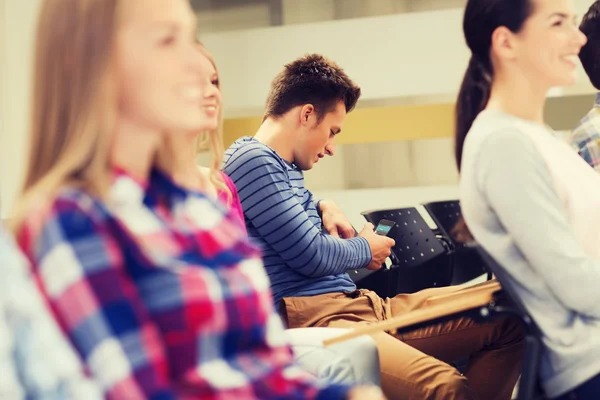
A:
{"x": 514, "y": 179}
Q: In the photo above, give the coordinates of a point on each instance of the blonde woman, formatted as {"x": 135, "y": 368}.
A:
{"x": 156, "y": 287}
{"x": 178, "y": 155}
{"x": 352, "y": 362}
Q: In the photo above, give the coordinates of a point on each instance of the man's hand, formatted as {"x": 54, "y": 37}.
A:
{"x": 334, "y": 220}
{"x": 366, "y": 393}
{"x": 381, "y": 246}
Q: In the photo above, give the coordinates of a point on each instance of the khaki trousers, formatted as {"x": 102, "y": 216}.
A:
{"x": 414, "y": 365}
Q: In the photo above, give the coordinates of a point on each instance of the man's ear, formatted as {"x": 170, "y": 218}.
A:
{"x": 307, "y": 113}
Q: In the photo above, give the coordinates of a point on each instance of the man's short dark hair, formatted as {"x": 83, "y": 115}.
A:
{"x": 590, "y": 53}
{"x": 312, "y": 79}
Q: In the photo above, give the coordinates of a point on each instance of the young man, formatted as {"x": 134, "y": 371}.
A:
{"x": 585, "y": 138}
{"x": 306, "y": 108}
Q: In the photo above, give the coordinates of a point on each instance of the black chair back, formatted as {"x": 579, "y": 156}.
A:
{"x": 417, "y": 257}
{"x": 445, "y": 214}
{"x": 466, "y": 263}
{"x": 529, "y": 386}
{"x": 415, "y": 241}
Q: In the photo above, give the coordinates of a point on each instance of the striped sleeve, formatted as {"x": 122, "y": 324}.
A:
{"x": 271, "y": 206}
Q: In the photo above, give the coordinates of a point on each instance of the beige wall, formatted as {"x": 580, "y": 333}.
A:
{"x": 361, "y": 8}
{"x": 3, "y": 104}
{"x": 430, "y": 5}
{"x": 298, "y": 12}
{"x": 416, "y": 163}
{"x": 229, "y": 19}
{"x": 16, "y": 43}
{"x": 307, "y": 11}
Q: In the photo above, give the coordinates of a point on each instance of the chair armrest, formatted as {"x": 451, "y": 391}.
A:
{"x": 352, "y": 362}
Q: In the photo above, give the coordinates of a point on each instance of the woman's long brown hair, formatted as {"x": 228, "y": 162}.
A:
{"x": 73, "y": 100}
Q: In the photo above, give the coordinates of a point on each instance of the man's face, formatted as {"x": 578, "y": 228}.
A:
{"x": 317, "y": 138}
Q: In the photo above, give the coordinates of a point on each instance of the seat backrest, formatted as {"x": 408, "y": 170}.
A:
{"x": 415, "y": 241}
{"x": 467, "y": 263}
{"x": 529, "y": 387}
{"x": 502, "y": 277}
{"x": 445, "y": 214}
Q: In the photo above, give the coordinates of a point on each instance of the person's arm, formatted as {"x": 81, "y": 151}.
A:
{"x": 317, "y": 204}
{"x": 45, "y": 363}
{"x": 81, "y": 270}
{"x": 10, "y": 384}
{"x": 518, "y": 186}
{"x": 334, "y": 220}
{"x": 271, "y": 206}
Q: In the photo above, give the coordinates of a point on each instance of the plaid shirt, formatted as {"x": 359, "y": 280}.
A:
{"x": 36, "y": 360}
{"x": 585, "y": 138}
{"x": 163, "y": 296}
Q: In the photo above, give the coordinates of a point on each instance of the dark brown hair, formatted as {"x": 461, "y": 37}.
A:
{"x": 312, "y": 79}
{"x": 480, "y": 21}
{"x": 590, "y": 53}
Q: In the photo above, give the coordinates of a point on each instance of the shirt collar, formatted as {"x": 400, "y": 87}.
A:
{"x": 597, "y": 103}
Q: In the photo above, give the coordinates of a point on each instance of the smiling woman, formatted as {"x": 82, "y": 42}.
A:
{"x": 159, "y": 80}
{"x": 178, "y": 156}
{"x": 526, "y": 197}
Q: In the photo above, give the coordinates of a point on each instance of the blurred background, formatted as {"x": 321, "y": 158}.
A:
{"x": 407, "y": 55}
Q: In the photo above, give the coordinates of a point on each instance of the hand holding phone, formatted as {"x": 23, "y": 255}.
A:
{"x": 384, "y": 227}
{"x": 379, "y": 244}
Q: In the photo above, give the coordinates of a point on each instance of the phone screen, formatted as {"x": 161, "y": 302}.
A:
{"x": 384, "y": 227}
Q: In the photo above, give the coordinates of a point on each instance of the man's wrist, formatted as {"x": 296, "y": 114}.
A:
{"x": 324, "y": 204}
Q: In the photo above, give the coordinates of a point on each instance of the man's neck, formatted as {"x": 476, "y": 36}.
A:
{"x": 279, "y": 136}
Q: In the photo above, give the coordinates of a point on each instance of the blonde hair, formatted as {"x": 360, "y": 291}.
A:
{"x": 168, "y": 157}
{"x": 74, "y": 102}
{"x": 214, "y": 139}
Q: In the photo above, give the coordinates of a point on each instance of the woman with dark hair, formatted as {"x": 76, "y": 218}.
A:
{"x": 526, "y": 196}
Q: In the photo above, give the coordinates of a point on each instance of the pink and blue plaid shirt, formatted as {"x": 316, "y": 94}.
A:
{"x": 163, "y": 296}
{"x": 585, "y": 138}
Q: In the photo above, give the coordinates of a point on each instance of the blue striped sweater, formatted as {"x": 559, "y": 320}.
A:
{"x": 281, "y": 216}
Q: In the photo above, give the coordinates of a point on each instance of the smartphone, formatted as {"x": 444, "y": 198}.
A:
{"x": 384, "y": 226}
